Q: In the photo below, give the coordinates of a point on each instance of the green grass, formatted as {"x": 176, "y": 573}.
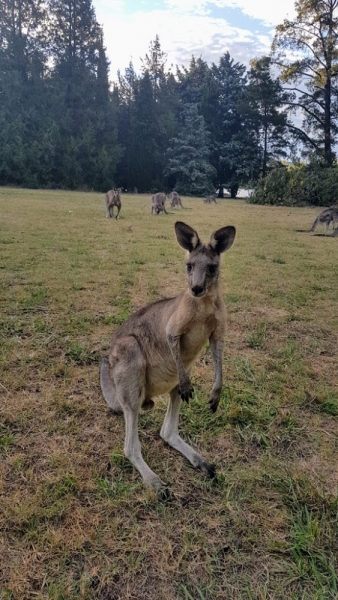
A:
{"x": 76, "y": 521}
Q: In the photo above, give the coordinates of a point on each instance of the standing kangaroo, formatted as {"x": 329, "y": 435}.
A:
{"x": 153, "y": 352}
{"x": 158, "y": 203}
{"x": 113, "y": 198}
{"x": 327, "y": 216}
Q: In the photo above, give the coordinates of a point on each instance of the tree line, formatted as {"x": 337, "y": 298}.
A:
{"x": 63, "y": 125}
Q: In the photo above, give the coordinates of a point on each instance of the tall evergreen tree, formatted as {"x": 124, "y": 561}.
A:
{"x": 143, "y": 135}
{"x": 154, "y": 64}
{"x": 124, "y": 92}
{"x": 164, "y": 109}
{"x": 193, "y": 81}
{"x": 267, "y": 100}
{"x": 23, "y": 61}
{"x": 86, "y": 148}
{"x": 234, "y": 143}
{"x": 188, "y": 167}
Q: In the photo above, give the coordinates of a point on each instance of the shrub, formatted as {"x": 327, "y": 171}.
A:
{"x": 297, "y": 185}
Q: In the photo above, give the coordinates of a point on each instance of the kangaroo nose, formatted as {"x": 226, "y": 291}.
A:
{"x": 197, "y": 290}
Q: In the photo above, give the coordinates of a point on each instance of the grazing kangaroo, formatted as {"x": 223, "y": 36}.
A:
{"x": 158, "y": 203}
{"x": 113, "y": 198}
{"x": 327, "y": 216}
{"x": 153, "y": 352}
{"x": 211, "y": 198}
{"x": 175, "y": 200}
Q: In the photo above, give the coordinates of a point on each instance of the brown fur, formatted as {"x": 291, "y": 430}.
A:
{"x": 153, "y": 352}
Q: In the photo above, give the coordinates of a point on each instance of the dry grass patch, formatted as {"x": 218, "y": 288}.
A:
{"x": 76, "y": 522}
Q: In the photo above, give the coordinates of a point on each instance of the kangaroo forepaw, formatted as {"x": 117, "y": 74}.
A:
{"x": 186, "y": 390}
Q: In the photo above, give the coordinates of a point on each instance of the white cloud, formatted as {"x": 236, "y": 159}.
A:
{"x": 272, "y": 13}
{"x": 268, "y": 11}
{"x": 110, "y": 6}
{"x": 190, "y": 7}
{"x": 185, "y": 28}
{"x": 127, "y": 38}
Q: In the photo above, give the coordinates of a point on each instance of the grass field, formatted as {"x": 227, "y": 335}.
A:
{"x": 75, "y": 520}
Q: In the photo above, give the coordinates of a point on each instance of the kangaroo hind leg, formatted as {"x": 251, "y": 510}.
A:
{"x": 169, "y": 433}
{"x": 129, "y": 374}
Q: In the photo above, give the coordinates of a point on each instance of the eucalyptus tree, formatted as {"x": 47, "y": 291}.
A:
{"x": 312, "y": 40}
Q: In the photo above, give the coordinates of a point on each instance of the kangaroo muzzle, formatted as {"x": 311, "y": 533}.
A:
{"x": 197, "y": 290}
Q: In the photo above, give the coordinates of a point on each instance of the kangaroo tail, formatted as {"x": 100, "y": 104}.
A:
{"x": 108, "y": 388}
{"x": 314, "y": 224}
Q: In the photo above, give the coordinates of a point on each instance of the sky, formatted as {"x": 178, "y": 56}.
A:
{"x": 202, "y": 28}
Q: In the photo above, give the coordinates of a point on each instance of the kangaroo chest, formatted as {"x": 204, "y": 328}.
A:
{"x": 196, "y": 334}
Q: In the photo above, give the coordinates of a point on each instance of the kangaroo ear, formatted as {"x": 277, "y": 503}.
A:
{"x": 222, "y": 239}
{"x": 186, "y": 236}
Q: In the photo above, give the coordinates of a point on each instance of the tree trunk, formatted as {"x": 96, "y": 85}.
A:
{"x": 234, "y": 190}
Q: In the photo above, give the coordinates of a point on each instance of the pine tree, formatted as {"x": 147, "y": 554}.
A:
{"x": 86, "y": 149}
{"x": 188, "y": 167}
{"x": 154, "y": 64}
{"x": 23, "y": 61}
{"x": 143, "y": 156}
{"x": 192, "y": 81}
{"x": 267, "y": 101}
{"x": 234, "y": 142}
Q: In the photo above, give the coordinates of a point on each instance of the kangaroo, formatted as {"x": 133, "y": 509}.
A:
{"x": 153, "y": 352}
{"x": 158, "y": 203}
{"x": 327, "y": 216}
{"x": 175, "y": 200}
{"x": 211, "y": 198}
{"x": 113, "y": 198}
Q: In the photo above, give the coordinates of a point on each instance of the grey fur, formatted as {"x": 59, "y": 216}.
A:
{"x": 211, "y": 198}
{"x": 326, "y": 217}
{"x": 158, "y": 203}
{"x": 175, "y": 200}
{"x": 113, "y": 198}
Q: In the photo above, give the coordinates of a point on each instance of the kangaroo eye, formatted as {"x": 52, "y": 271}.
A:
{"x": 212, "y": 269}
{"x": 189, "y": 267}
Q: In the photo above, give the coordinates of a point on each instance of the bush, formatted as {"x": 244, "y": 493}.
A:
{"x": 297, "y": 185}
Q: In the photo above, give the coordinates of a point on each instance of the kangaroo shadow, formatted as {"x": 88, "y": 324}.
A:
{"x": 325, "y": 235}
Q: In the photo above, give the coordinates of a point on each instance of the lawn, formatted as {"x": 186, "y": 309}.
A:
{"x": 76, "y": 521}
